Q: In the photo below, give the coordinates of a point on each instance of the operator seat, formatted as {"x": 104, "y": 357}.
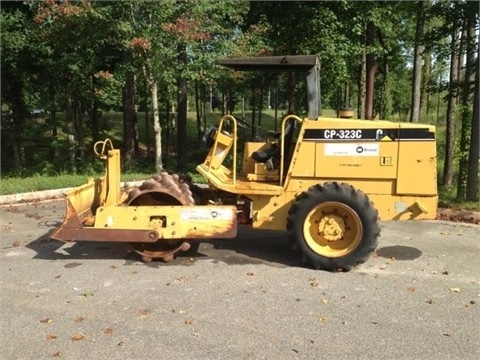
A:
{"x": 271, "y": 155}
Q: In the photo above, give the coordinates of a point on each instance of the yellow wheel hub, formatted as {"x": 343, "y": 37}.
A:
{"x": 332, "y": 229}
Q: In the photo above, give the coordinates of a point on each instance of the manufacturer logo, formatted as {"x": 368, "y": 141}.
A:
{"x": 346, "y": 149}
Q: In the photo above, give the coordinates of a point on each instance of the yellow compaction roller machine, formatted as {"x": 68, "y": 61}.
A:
{"x": 325, "y": 181}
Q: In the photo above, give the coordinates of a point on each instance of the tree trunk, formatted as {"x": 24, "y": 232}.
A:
{"x": 243, "y": 108}
{"x": 230, "y": 101}
{"x": 69, "y": 116}
{"x": 80, "y": 154}
{"x": 451, "y": 105}
{"x": 386, "y": 108}
{"x": 150, "y": 84}
{"x": 147, "y": 119}
{"x": 291, "y": 93}
{"x": 54, "y": 138}
{"x": 198, "y": 111}
{"x": 129, "y": 120}
{"x": 211, "y": 98}
{"x": 371, "y": 69}
{"x": 19, "y": 114}
{"x": 417, "y": 64}
{"x": 18, "y": 129}
{"x": 275, "y": 99}
{"x": 427, "y": 72}
{"x": 204, "y": 107}
{"x": 339, "y": 101}
{"x": 156, "y": 127}
{"x": 182, "y": 110}
{"x": 52, "y": 121}
{"x": 94, "y": 114}
{"x": 224, "y": 102}
{"x": 260, "y": 108}
{"x": 255, "y": 133}
{"x": 94, "y": 119}
{"x": 424, "y": 93}
{"x": 168, "y": 127}
{"x": 466, "y": 101}
{"x": 361, "y": 87}
{"x": 385, "y": 96}
{"x": 474, "y": 154}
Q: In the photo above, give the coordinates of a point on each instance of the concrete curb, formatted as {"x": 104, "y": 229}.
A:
{"x": 47, "y": 194}
{"x": 32, "y": 196}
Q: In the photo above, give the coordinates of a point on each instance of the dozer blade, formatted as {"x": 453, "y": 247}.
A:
{"x": 81, "y": 205}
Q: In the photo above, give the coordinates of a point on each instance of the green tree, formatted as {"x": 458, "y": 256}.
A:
{"x": 18, "y": 53}
{"x": 201, "y": 31}
{"x": 470, "y": 22}
{"x": 472, "y": 191}
{"x": 76, "y": 58}
{"x": 417, "y": 62}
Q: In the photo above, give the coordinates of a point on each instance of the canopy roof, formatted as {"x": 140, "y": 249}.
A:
{"x": 307, "y": 63}
{"x": 283, "y": 63}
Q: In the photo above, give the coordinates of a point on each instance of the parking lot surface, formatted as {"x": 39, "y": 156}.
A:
{"x": 417, "y": 297}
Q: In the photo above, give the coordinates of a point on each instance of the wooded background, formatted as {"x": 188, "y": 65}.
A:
{"x": 66, "y": 65}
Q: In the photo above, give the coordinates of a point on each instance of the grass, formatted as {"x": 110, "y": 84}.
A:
{"x": 39, "y": 183}
{"x": 447, "y": 199}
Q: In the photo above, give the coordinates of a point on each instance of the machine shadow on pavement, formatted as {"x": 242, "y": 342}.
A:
{"x": 50, "y": 249}
{"x": 258, "y": 246}
{"x": 249, "y": 247}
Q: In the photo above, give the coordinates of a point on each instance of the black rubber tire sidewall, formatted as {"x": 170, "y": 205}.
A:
{"x": 345, "y": 194}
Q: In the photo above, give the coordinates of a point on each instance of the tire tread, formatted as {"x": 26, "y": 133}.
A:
{"x": 349, "y": 195}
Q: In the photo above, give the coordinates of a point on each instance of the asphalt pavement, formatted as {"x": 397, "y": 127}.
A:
{"x": 417, "y": 297}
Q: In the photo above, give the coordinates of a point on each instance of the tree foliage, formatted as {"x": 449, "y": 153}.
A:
{"x": 79, "y": 60}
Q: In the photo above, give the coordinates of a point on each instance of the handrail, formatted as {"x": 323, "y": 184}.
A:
{"x": 234, "y": 136}
{"x": 110, "y": 186}
{"x": 282, "y": 144}
{"x": 101, "y": 154}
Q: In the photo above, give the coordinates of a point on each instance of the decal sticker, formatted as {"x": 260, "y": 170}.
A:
{"x": 206, "y": 214}
{"x": 380, "y": 135}
{"x": 350, "y": 149}
{"x": 343, "y": 134}
{"x": 352, "y": 135}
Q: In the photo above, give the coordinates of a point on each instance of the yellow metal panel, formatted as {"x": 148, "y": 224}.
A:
{"x": 271, "y": 212}
{"x": 405, "y": 207}
{"x": 85, "y": 197}
{"x": 417, "y": 171}
{"x": 171, "y": 222}
{"x": 249, "y": 163}
{"x": 222, "y": 179}
{"x": 368, "y": 186}
{"x": 113, "y": 177}
{"x": 262, "y": 173}
{"x": 303, "y": 160}
{"x": 335, "y": 123}
{"x": 350, "y": 160}
{"x": 219, "y": 151}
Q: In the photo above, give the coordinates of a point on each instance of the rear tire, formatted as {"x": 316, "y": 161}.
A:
{"x": 334, "y": 226}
